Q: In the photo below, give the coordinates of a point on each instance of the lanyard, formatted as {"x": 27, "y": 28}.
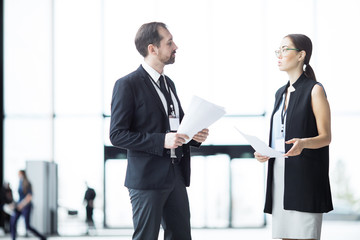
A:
{"x": 283, "y": 115}
{"x": 168, "y": 98}
{"x": 284, "y": 112}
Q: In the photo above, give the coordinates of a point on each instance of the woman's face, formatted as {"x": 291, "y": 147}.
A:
{"x": 288, "y": 58}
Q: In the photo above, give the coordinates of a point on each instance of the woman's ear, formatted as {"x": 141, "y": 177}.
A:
{"x": 302, "y": 55}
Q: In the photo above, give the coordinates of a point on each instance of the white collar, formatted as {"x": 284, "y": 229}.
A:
{"x": 152, "y": 72}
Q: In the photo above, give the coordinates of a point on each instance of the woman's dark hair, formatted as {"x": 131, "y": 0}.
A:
{"x": 25, "y": 182}
{"x": 148, "y": 34}
{"x": 304, "y": 43}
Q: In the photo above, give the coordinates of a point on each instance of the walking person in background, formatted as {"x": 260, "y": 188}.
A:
{"x": 298, "y": 188}
{"x": 23, "y": 207}
{"x": 89, "y": 198}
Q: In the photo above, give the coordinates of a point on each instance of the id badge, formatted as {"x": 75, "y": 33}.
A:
{"x": 174, "y": 124}
{"x": 280, "y": 145}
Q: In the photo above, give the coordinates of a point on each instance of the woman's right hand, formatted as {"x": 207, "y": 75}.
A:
{"x": 261, "y": 158}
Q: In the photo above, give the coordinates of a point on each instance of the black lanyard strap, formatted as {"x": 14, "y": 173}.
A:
{"x": 283, "y": 115}
{"x": 166, "y": 93}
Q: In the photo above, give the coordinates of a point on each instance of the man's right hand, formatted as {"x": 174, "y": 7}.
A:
{"x": 174, "y": 140}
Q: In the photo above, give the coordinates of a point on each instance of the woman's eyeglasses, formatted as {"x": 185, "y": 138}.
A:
{"x": 283, "y": 51}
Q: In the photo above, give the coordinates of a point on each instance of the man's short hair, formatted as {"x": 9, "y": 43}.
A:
{"x": 148, "y": 34}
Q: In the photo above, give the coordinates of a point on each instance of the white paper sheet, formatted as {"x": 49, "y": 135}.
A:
{"x": 260, "y": 146}
{"x": 200, "y": 114}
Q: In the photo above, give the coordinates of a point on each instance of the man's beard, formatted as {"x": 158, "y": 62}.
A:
{"x": 171, "y": 60}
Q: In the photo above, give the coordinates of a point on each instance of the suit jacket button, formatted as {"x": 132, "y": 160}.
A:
{"x": 168, "y": 151}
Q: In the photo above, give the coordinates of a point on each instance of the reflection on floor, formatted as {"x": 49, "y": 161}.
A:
{"x": 332, "y": 230}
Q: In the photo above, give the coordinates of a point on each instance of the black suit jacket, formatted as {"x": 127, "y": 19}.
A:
{"x": 139, "y": 124}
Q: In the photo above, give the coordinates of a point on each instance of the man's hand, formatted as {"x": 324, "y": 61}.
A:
{"x": 174, "y": 140}
{"x": 201, "y": 136}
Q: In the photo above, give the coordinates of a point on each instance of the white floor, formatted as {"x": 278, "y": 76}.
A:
{"x": 332, "y": 230}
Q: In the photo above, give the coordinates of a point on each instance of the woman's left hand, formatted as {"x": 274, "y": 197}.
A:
{"x": 297, "y": 148}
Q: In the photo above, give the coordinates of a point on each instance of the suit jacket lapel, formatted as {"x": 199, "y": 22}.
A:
{"x": 152, "y": 89}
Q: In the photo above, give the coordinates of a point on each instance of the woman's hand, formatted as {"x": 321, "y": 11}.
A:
{"x": 19, "y": 207}
{"x": 296, "y": 149}
{"x": 261, "y": 158}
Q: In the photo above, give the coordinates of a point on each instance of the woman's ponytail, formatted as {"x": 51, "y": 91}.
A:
{"x": 309, "y": 72}
{"x": 304, "y": 43}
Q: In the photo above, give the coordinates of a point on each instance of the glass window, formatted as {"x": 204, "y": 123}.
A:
{"x": 118, "y": 206}
{"x": 209, "y": 59}
{"x": 209, "y": 192}
{"x": 344, "y": 167}
{"x": 79, "y": 153}
{"x": 62, "y": 58}
{"x": 27, "y": 58}
{"x": 78, "y": 61}
{"x": 25, "y": 139}
{"x": 336, "y": 68}
{"x": 247, "y": 188}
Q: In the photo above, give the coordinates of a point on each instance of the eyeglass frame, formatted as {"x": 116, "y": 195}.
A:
{"x": 283, "y": 50}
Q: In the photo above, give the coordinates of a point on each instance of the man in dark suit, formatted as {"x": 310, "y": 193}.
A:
{"x": 145, "y": 114}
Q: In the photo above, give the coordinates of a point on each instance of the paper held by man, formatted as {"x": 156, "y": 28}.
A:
{"x": 200, "y": 114}
{"x": 260, "y": 146}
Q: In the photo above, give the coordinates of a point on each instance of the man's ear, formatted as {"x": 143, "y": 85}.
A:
{"x": 152, "y": 49}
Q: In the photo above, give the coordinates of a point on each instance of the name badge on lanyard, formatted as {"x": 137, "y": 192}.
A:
{"x": 279, "y": 137}
{"x": 280, "y": 144}
{"x": 174, "y": 123}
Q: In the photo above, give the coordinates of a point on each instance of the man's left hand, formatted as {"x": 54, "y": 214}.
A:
{"x": 201, "y": 136}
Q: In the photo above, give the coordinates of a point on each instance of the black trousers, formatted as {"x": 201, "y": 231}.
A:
{"x": 89, "y": 215}
{"x": 168, "y": 207}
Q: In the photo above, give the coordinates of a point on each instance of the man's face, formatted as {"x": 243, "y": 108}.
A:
{"x": 167, "y": 49}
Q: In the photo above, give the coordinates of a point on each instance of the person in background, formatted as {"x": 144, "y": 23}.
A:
{"x": 23, "y": 207}
{"x": 2, "y": 212}
{"x": 145, "y": 115}
{"x": 6, "y": 206}
{"x": 298, "y": 188}
{"x": 89, "y": 198}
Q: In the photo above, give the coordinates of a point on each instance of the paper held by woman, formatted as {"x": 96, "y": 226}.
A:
{"x": 260, "y": 146}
